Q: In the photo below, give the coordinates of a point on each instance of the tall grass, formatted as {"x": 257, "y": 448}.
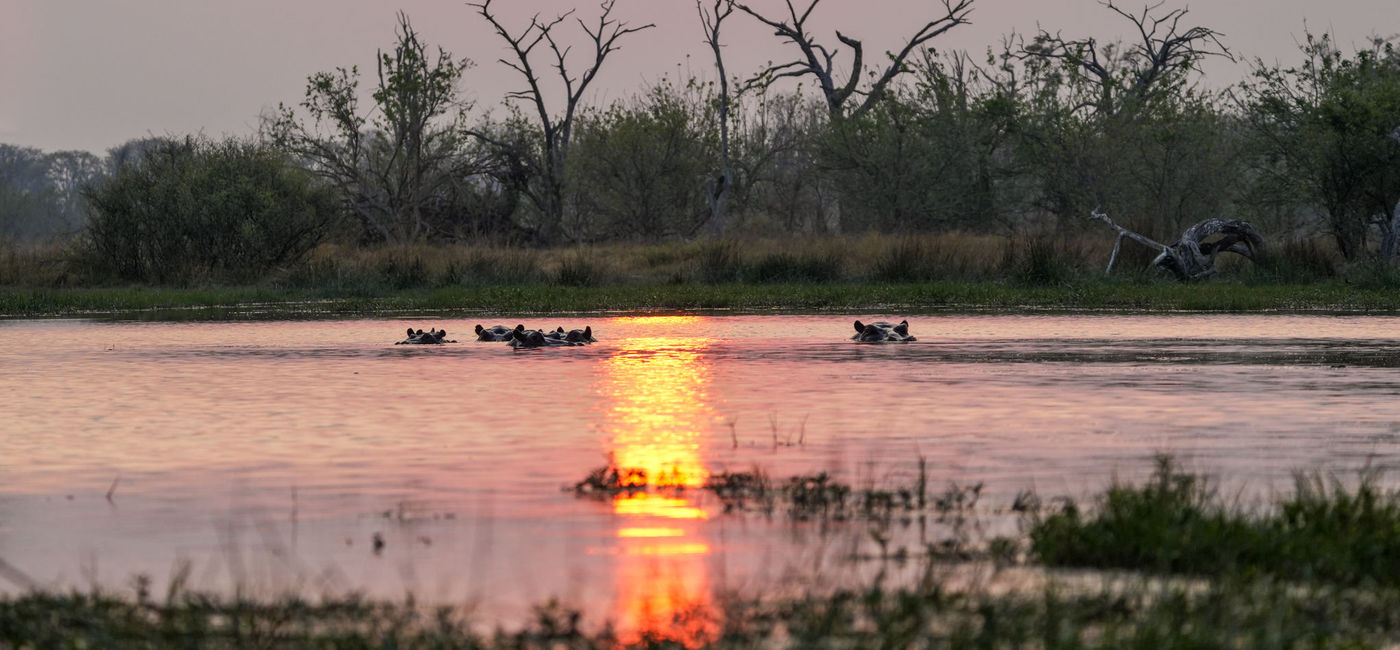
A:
{"x": 1030, "y": 260}
{"x": 1325, "y": 530}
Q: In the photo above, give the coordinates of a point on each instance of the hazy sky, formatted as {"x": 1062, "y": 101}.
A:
{"x": 90, "y": 74}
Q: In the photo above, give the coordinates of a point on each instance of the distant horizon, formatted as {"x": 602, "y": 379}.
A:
{"x": 92, "y": 74}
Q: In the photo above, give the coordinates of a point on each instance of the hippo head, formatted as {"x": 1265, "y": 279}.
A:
{"x": 881, "y": 331}
{"x": 419, "y": 337}
{"x": 523, "y": 338}
{"x": 584, "y": 335}
{"x": 497, "y": 332}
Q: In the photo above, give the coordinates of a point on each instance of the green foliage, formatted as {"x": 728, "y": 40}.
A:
{"x": 1325, "y": 137}
{"x": 403, "y": 167}
{"x": 924, "y": 158}
{"x": 195, "y": 210}
{"x": 638, "y": 168}
{"x": 1117, "y": 127}
{"x": 1177, "y": 523}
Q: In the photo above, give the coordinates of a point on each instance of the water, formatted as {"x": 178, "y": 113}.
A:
{"x": 270, "y": 454}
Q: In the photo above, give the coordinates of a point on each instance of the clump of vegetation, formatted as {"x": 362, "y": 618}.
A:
{"x": 1178, "y": 523}
{"x": 194, "y": 210}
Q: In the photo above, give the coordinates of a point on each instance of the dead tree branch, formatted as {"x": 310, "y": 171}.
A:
{"x": 1163, "y": 51}
{"x": 1192, "y": 257}
{"x": 556, "y": 132}
{"x": 712, "y": 20}
{"x": 818, "y": 61}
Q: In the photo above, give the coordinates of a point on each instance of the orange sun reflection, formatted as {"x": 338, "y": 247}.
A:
{"x": 656, "y": 392}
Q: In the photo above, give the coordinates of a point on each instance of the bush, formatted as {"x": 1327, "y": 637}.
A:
{"x": 193, "y": 210}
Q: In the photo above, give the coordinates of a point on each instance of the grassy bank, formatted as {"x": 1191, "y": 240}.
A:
{"x": 932, "y": 297}
{"x": 875, "y": 273}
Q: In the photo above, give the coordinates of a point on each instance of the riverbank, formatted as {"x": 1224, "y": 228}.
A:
{"x": 921, "y": 298}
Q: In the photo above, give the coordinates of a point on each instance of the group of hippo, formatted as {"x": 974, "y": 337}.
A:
{"x": 519, "y": 337}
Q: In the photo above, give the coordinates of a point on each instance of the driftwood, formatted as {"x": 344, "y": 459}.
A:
{"x": 1192, "y": 257}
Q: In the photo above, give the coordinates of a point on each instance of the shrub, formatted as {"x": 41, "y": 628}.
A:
{"x": 195, "y": 210}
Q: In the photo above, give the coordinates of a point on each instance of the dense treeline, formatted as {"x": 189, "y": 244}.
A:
{"x": 1021, "y": 143}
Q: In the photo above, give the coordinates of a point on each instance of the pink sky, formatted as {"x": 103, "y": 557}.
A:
{"x": 90, "y": 74}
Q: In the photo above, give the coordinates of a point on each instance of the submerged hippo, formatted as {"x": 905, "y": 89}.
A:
{"x": 881, "y": 331}
{"x": 523, "y": 338}
{"x": 431, "y": 337}
{"x": 584, "y": 335}
{"x": 496, "y": 332}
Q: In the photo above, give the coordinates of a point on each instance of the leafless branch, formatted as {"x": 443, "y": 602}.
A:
{"x": 1163, "y": 49}
{"x": 816, "y": 60}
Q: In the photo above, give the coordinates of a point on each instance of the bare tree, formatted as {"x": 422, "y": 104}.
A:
{"x": 556, "y": 131}
{"x": 1163, "y": 51}
{"x": 818, "y": 61}
{"x": 712, "y": 19}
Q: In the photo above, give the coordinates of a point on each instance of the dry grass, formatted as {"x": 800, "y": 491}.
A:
{"x": 35, "y": 265}
{"x": 883, "y": 258}
{"x": 1029, "y": 259}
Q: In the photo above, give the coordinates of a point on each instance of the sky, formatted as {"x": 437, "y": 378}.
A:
{"x": 91, "y": 74}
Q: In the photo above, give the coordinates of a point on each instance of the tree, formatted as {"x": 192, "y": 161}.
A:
{"x": 393, "y": 163}
{"x": 1326, "y": 130}
{"x": 41, "y": 194}
{"x": 712, "y": 20}
{"x": 548, "y": 161}
{"x": 192, "y": 210}
{"x": 639, "y": 166}
{"x": 1124, "y": 78}
{"x": 927, "y": 157}
{"x": 1125, "y": 125}
{"x": 817, "y": 61}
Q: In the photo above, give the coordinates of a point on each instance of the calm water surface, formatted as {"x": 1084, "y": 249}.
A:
{"x": 270, "y": 453}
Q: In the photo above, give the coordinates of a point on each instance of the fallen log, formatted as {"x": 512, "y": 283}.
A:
{"x": 1192, "y": 257}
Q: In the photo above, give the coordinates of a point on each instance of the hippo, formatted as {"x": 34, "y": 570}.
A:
{"x": 584, "y": 335}
{"x": 431, "y": 337}
{"x": 523, "y": 338}
{"x": 496, "y": 332}
{"x": 881, "y": 331}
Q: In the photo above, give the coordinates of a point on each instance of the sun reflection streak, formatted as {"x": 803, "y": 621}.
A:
{"x": 656, "y": 392}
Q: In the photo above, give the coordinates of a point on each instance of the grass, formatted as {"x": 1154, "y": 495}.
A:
{"x": 933, "y": 297}
{"x": 911, "y": 274}
{"x": 1231, "y": 613}
{"x": 1324, "y": 531}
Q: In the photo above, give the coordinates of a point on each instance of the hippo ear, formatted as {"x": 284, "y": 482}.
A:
{"x": 479, "y": 328}
{"x": 560, "y": 330}
{"x": 588, "y": 331}
{"x": 410, "y": 331}
{"x": 518, "y": 334}
{"x": 520, "y": 328}
{"x": 442, "y": 333}
{"x": 859, "y": 327}
{"x": 902, "y": 329}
